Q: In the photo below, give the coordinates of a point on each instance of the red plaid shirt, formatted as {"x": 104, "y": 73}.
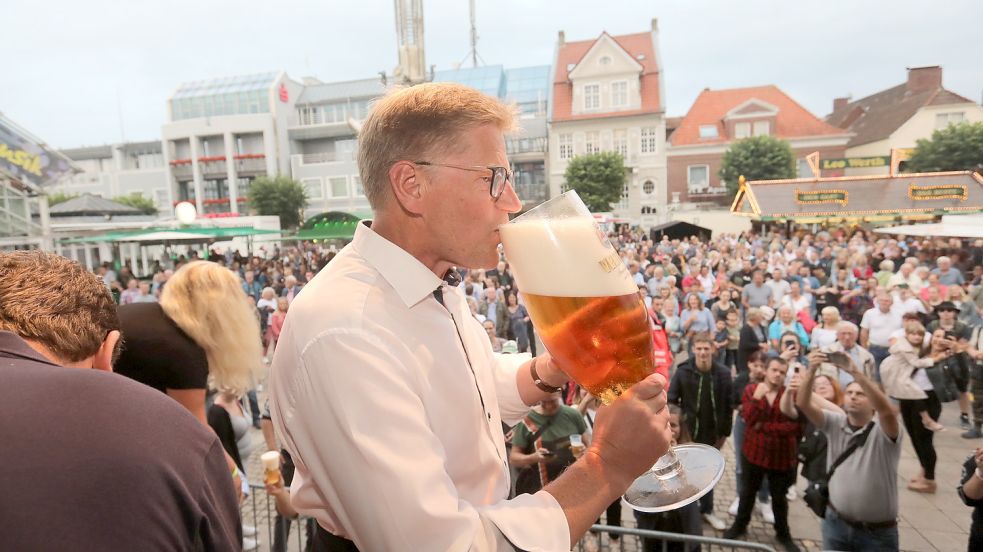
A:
{"x": 771, "y": 439}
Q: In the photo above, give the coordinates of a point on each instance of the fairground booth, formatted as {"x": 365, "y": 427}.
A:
{"x": 871, "y": 201}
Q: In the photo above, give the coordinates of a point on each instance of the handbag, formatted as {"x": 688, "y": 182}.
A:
{"x": 528, "y": 479}
{"x": 817, "y": 492}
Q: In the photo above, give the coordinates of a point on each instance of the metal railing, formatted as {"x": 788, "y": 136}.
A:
{"x": 294, "y": 535}
{"x": 711, "y": 543}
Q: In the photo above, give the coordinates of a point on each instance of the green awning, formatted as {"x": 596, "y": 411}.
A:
{"x": 209, "y": 233}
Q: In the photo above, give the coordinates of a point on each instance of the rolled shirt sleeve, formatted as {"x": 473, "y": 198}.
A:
{"x": 381, "y": 465}
{"x": 505, "y": 368}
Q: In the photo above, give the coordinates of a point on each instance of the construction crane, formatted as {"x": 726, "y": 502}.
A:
{"x": 409, "y": 34}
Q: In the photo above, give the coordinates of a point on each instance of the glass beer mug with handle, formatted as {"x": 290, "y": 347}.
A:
{"x": 586, "y": 308}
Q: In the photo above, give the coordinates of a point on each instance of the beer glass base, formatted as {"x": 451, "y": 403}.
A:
{"x": 609, "y": 395}
{"x": 673, "y": 484}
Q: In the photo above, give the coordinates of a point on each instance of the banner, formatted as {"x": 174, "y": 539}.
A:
{"x": 28, "y": 161}
{"x": 952, "y": 191}
{"x": 822, "y": 196}
{"x": 853, "y": 162}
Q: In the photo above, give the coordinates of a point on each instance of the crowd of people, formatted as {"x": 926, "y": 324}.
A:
{"x": 397, "y": 422}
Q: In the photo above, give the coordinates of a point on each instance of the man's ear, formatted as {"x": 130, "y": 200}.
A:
{"x": 406, "y": 181}
{"x": 103, "y": 359}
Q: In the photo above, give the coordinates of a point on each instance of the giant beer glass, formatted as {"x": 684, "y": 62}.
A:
{"x": 586, "y": 308}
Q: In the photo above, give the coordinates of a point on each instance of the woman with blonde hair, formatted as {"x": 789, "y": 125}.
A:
{"x": 824, "y": 334}
{"x": 202, "y": 335}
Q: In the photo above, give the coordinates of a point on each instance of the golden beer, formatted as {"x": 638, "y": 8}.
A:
{"x": 603, "y": 343}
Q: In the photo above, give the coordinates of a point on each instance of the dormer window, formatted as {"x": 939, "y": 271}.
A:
{"x": 762, "y": 128}
{"x": 708, "y": 131}
{"x": 742, "y": 130}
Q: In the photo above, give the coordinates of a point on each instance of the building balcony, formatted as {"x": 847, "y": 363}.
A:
{"x": 250, "y": 163}
{"x": 212, "y": 166}
{"x": 707, "y": 191}
{"x": 323, "y": 158}
{"x": 312, "y": 131}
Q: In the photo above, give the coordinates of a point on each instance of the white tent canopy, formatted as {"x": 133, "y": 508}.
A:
{"x": 952, "y": 226}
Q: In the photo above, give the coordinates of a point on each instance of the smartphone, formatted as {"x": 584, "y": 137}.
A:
{"x": 838, "y": 359}
{"x": 548, "y": 453}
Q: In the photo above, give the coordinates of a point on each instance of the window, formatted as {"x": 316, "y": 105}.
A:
{"x": 161, "y": 197}
{"x": 621, "y": 143}
{"x": 357, "y": 190}
{"x": 708, "y": 131}
{"x": 204, "y": 148}
{"x": 623, "y": 204}
{"x": 592, "y": 96}
{"x": 649, "y": 140}
{"x": 762, "y": 128}
{"x": 698, "y": 178}
{"x": 648, "y": 187}
{"x": 742, "y": 130}
{"x": 619, "y": 94}
{"x": 313, "y": 188}
{"x": 943, "y": 120}
{"x": 804, "y": 170}
{"x": 338, "y": 186}
{"x": 566, "y": 146}
{"x": 592, "y": 144}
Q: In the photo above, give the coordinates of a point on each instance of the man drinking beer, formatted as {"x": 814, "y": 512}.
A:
{"x": 384, "y": 387}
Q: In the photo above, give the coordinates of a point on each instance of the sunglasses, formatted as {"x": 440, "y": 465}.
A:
{"x": 496, "y": 182}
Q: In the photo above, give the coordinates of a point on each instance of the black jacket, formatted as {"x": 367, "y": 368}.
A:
{"x": 684, "y": 389}
{"x": 748, "y": 344}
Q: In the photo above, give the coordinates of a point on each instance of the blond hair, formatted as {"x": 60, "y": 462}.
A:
{"x": 54, "y": 301}
{"x": 410, "y": 124}
{"x": 208, "y": 303}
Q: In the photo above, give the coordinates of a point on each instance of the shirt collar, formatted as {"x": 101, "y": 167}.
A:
{"x": 412, "y": 280}
{"x": 12, "y": 345}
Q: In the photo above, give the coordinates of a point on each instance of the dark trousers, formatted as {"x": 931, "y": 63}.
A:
{"x": 778, "y": 483}
{"x": 921, "y": 436}
{"x": 326, "y": 542}
{"x": 253, "y": 405}
{"x": 879, "y": 353}
{"x": 976, "y": 386}
{"x": 706, "y": 503}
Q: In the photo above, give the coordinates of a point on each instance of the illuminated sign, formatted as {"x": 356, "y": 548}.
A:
{"x": 853, "y": 163}
{"x": 952, "y": 191}
{"x": 822, "y": 196}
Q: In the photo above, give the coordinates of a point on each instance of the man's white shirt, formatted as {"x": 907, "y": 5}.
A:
{"x": 393, "y": 411}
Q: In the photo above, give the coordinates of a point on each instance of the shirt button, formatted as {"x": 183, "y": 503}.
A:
{"x": 489, "y": 415}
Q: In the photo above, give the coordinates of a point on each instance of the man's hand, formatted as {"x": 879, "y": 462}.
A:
{"x": 816, "y": 359}
{"x": 761, "y": 390}
{"x": 788, "y": 354}
{"x": 632, "y": 432}
{"x": 541, "y": 456}
{"x": 795, "y": 382}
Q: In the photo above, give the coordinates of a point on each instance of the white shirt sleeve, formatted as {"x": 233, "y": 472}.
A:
{"x": 372, "y": 469}
{"x": 510, "y": 405}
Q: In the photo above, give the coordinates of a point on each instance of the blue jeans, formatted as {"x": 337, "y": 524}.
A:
{"x": 738, "y": 434}
{"x": 837, "y": 535}
{"x": 879, "y": 353}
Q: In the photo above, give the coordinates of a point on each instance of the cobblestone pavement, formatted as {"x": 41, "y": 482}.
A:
{"x": 927, "y": 523}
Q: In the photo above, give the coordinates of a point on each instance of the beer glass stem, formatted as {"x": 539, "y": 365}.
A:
{"x": 668, "y": 466}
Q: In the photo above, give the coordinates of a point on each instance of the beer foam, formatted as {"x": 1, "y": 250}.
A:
{"x": 564, "y": 258}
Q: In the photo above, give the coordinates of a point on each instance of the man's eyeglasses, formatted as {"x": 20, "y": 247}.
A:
{"x": 496, "y": 182}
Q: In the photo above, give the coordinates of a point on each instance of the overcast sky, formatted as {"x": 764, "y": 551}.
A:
{"x": 66, "y": 62}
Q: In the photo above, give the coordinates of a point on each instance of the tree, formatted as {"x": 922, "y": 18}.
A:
{"x": 953, "y": 148}
{"x": 757, "y": 158}
{"x": 281, "y": 196}
{"x": 59, "y": 197}
{"x": 137, "y": 201}
{"x": 598, "y": 178}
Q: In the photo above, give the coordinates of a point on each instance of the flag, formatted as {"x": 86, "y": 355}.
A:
{"x": 813, "y": 160}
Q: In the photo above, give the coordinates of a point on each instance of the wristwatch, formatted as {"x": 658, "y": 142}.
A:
{"x": 542, "y": 385}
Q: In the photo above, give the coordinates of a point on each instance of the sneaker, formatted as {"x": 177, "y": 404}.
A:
{"x": 964, "y": 421}
{"x": 249, "y": 544}
{"x": 787, "y": 543}
{"x": 932, "y": 425}
{"x": 734, "y": 506}
{"x": 614, "y": 545}
{"x": 248, "y": 530}
{"x": 715, "y": 522}
{"x": 734, "y": 532}
{"x": 591, "y": 543}
{"x": 791, "y": 494}
{"x": 766, "y": 512}
{"x": 974, "y": 433}
{"x": 924, "y": 486}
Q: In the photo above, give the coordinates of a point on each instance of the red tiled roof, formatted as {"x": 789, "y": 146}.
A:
{"x": 711, "y": 106}
{"x": 571, "y": 53}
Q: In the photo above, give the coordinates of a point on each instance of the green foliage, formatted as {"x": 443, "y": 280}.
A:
{"x": 137, "y": 201}
{"x": 598, "y": 178}
{"x": 953, "y": 148}
{"x": 59, "y": 197}
{"x": 280, "y": 196}
{"x": 757, "y": 158}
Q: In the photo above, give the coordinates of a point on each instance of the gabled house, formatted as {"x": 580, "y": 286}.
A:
{"x": 718, "y": 118}
{"x": 608, "y": 95}
{"x": 894, "y": 119}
